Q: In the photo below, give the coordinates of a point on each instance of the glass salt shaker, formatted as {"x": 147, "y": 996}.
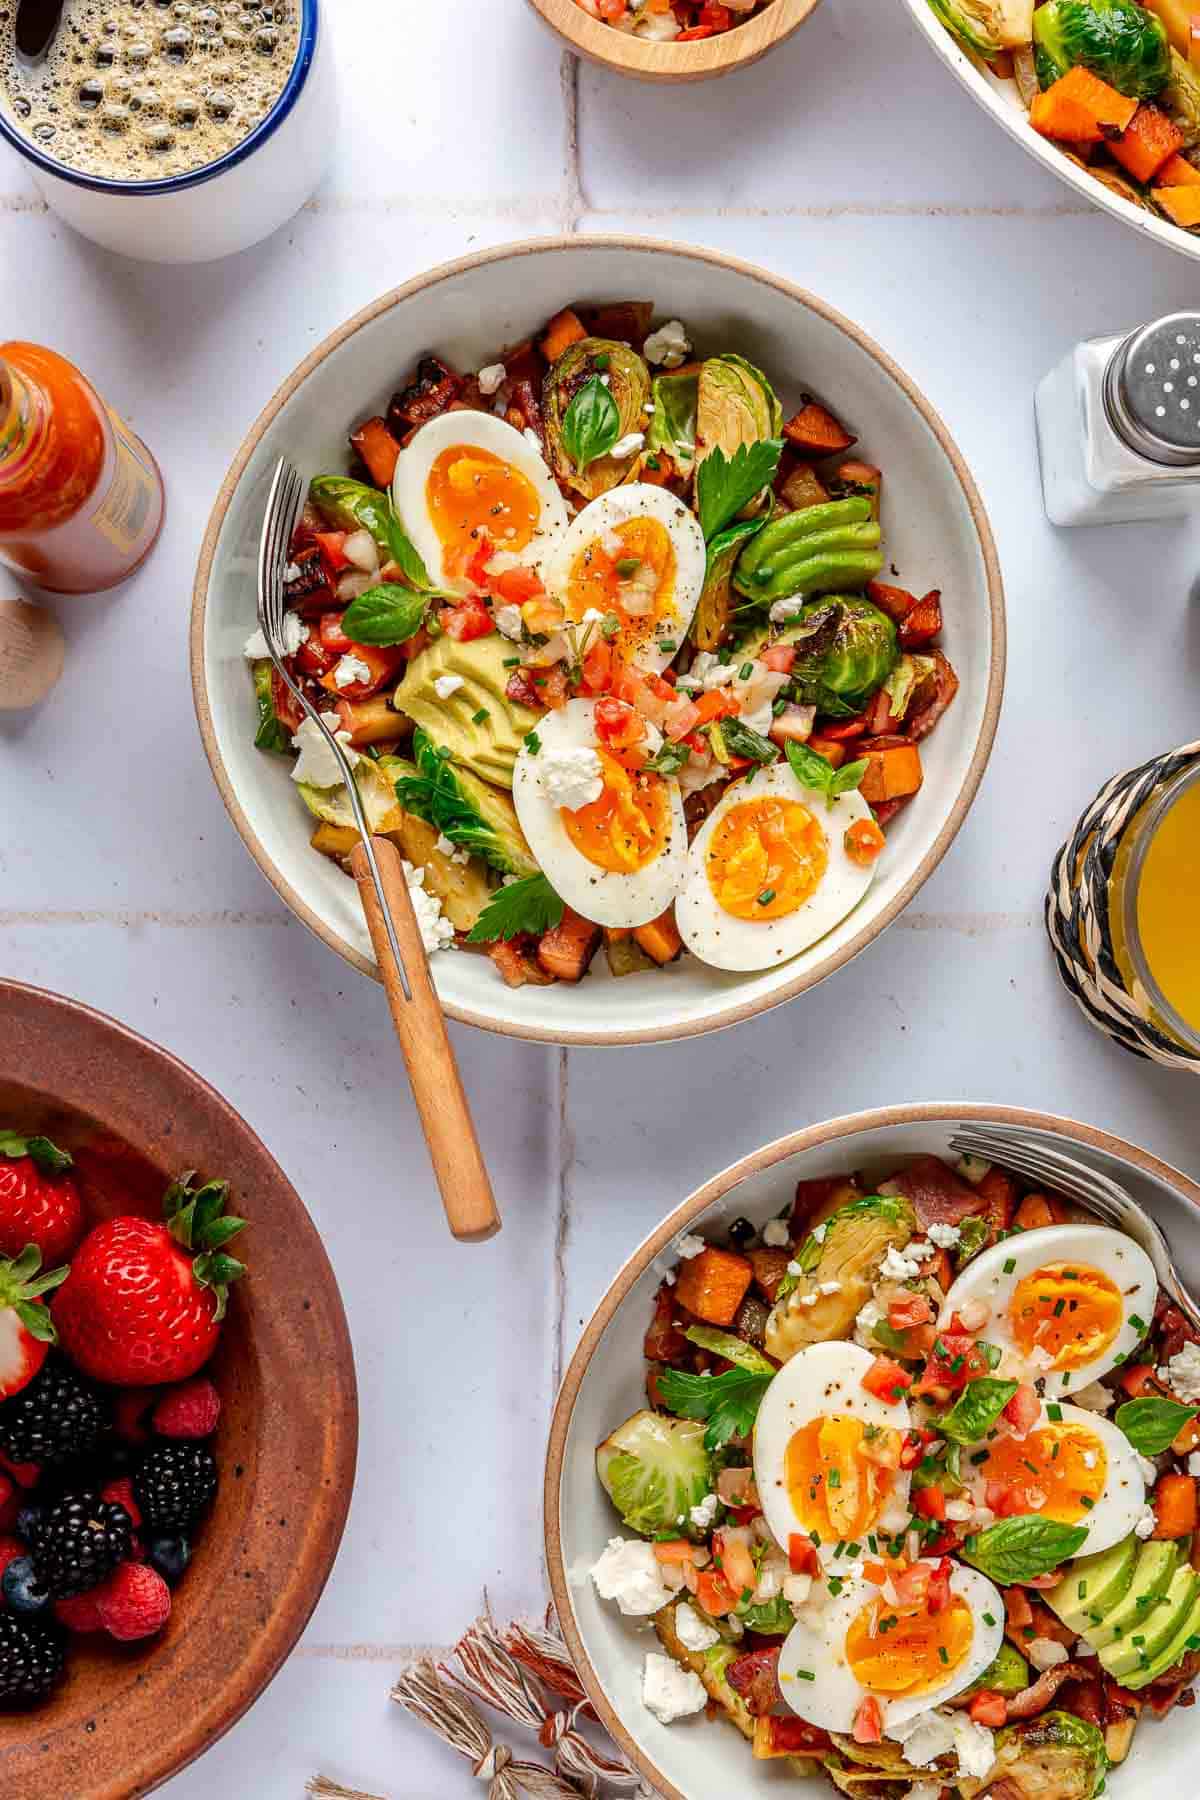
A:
{"x": 1118, "y": 424}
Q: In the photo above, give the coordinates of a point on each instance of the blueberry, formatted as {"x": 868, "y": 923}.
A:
{"x": 170, "y": 1556}
{"x": 27, "y": 1521}
{"x": 20, "y": 1587}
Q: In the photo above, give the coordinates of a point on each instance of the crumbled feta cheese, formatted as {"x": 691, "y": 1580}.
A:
{"x": 450, "y": 850}
{"x": 668, "y": 346}
{"x": 690, "y": 1245}
{"x": 776, "y": 1234}
{"x": 975, "y": 1747}
{"x": 1144, "y": 1528}
{"x": 1193, "y": 1463}
{"x": 352, "y": 668}
{"x": 1095, "y": 1397}
{"x": 809, "y": 1299}
{"x": 658, "y": 28}
{"x": 899, "y": 1266}
{"x": 671, "y": 1692}
{"x": 508, "y": 622}
{"x": 710, "y": 672}
{"x": 445, "y": 685}
{"x": 829, "y": 1287}
{"x": 1045, "y": 1654}
{"x": 629, "y": 444}
{"x": 691, "y": 1629}
{"x": 783, "y": 610}
{"x": 316, "y": 764}
{"x": 864, "y": 1326}
{"x": 818, "y": 1236}
{"x": 933, "y": 1734}
{"x": 959, "y": 1511}
{"x": 255, "y": 648}
{"x": 491, "y": 378}
{"x": 629, "y": 1573}
{"x": 1182, "y": 1374}
{"x": 926, "y": 1790}
{"x": 794, "y": 1268}
{"x": 1090, "y": 1459}
{"x": 944, "y": 1236}
{"x": 295, "y": 633}
{"x": 797, "y": 1588}
{"x": 436, "y": 929}
{"x": 704, "y": 1512}
{"x": 571, "y": 777}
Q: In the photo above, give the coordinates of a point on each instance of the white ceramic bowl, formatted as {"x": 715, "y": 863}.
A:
{"x": 699, "y": 1759}
{"x": 937, "y": 534}
{"x": 1001, "y": 99}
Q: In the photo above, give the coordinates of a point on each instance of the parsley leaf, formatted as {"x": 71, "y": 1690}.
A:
{"x": 729, "y": 1402}
{"x": 1152, "y": 1425}
{"x": 976, "y": 1409}
{"x": 1019, "y": 1549}
{"x": 724, "y": 484}
{"x": 591, "y": 424}
{"x": 813, "y": 770}
{"x": 47, "y": 1156}
{"x": 387, "y": 614}
{"x": 530, "y": 905}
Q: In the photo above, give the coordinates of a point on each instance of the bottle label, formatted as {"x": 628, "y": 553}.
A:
{"x": 125, "y": 511}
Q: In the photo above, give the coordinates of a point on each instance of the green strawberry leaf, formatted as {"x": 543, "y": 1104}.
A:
{"x": 47, "y": 1156}
{"x": 221, "y": 1231}
{"x": 37, "y": 1321}
{"x": 45, "y": 1284}
{"x": 209, "y": 1204}
{"x": 197, "y": 1219}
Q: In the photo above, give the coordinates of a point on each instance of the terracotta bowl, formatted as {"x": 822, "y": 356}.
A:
{"x": 698, "y": 1759}
{"x": 936, "y": 534}
{"x": 699, "y": 60}
{"x": 129, "y": 1716}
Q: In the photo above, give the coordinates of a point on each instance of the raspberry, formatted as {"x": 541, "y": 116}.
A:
{"x": 11, "y": 1550}
{"x": 130, "y": 1408}
{"x": 11, "y": 1502}
{"x": 79, "y": 1613}
{"x": 188, "y": 1411}
{"x": 25, "y": 1475}
{"x": 133, "y": 1603}
{"x": 120, "y": 1492}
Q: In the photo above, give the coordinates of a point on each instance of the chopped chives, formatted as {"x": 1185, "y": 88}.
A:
{"x": 1054, "y": 1412}
{"x": 512, "y": 662}
{"x": 479, "y": 717}
{"x": 746, "y": 671}
{"x": 988, "y": 1619}
{"x": 943, "y": 1653}
{"x": 835, "y": 1478}
{"x": 805, "y": 1675}
{"x": 1010, "y": 1264}
{"x": 765, "y": 899}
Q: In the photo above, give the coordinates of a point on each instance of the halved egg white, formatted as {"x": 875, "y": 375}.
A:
{"x": 640, "y": 523}
{"x": 1053, "y": 1457}
{"x": 1000, "y": 1277}
{"x": 728, "y": 941}
{"x": 823, "y": 1381}
{"x": 503, "y": 489}
{"x": 815, "y": 1673}
{"x": 606, "y": 896}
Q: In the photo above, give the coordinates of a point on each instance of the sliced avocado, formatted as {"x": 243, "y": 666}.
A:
{"x": 1186, "y": 1638}
{"x": 480, "y": 726}
{"x": 1158, "y": 1629}
{"x": 475, "y": 815}
{"x": 1094, "y": 1586}
{"x": 1156, "y": 1564}
{"x": 1009, "y": 1674}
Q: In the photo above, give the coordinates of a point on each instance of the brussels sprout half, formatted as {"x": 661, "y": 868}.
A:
{"x": 1118, "y": 40}
{"x": 735, "y": 405}
{"x": 1055, "y": 1757}
{"x": 845, "y": 649}
{"x": 654, "y": 1470}
{"x": 628, "y": 381}
{"x": 987, "y": 26}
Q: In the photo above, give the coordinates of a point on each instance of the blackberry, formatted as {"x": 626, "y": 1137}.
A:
{"x": 31, "y": 1660}
{"x": 78, "y": 1543}
{"x": 55, "y": 1417}
{"x": 174, "y": 1485}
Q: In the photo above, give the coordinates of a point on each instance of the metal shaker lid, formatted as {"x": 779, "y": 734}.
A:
{"x": 1152, "y": 390}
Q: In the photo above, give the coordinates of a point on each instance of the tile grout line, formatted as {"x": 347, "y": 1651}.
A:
{"x": 574, "y": 204}
{"x": 372, "y": 1653}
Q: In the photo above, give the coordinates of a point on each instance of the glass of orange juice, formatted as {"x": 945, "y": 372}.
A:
{"x": 1160, "y": 907}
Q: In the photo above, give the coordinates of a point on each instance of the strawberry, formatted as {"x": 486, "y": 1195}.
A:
{"x": 190, "y": 1411}
{"x": 39, "y": 1202}
{"x": 26, "y": 1330}
{"x": 143, "y": 1301}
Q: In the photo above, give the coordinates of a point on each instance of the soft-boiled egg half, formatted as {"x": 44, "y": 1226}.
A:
{"x": 467, "y": 478}
{"x": 906, "y": 1657}
{"x": 1065, "y": 1303}
{"x": 769, "y": 873}
{"x": 637, "y": 554}
{"x": 610, "y": 838}
{"x": 827, "y": 1453}
{"x": 1072, "y": 1467}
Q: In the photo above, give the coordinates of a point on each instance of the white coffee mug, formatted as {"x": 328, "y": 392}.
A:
{"x": 229, "y": 204}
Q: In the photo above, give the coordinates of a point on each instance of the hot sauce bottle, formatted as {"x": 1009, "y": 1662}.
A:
{"x": 81, "y": 498}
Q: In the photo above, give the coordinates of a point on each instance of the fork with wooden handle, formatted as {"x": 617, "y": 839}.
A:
{"x": 395, "y": 934}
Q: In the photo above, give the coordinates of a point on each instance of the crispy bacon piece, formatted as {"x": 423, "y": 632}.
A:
{"x": 933, "y": 698}
{"x": 755, "y": 1677}
{"x": 1034, "y": 1700}
{"x": 788, "y": 1737}
{"x": 566, "y": 950}
{"x": 310, "y": 591}
{"x": 625, "y": 321}
{"x": 664, "y": 1342}
{"x": 525, "y": 405}
{"x": 939, "y": 1196}
{"x": 922, "y": 623}
{"x": 770, "y": 1267}
{"x": 427, "y": 395}
{"x": 516, "y": 962}
{"x": 1085, "y": 1699}
{"x": 811, "y": 1196}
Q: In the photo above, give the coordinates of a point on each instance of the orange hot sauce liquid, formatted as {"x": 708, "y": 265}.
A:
{"x": 81, "y": 498}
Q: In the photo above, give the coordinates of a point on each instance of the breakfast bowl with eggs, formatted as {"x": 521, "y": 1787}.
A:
{"x": 670, "y": 680}
{"x": 876, "y": 1471}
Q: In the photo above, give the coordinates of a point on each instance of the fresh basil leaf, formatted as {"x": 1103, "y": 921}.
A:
{"x": 849, "y": 776}
{"x": 387, "y": 614}
{"x": 811, "y": 769}
{"x": 1153, "y": 1424}
{"x": 47, "y": 1156}
{"x": 591, "y": 424}
{"x": 729, "y": 1402}
{"x": 1015, "y": 1550}
{"x": 733, "y": 1349}
{"x": 976, "y": 1409}
{"x": 523, "y": 906}
{"x": 725, "y": 484}
{"x": 741, "y": 740}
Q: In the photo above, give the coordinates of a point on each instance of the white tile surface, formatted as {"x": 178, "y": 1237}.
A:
{"x": 852, "y": 163}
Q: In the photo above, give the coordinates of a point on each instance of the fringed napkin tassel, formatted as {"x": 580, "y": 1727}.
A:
{"x": 421, "y": 1693}
{"x": 321, "y": 1788}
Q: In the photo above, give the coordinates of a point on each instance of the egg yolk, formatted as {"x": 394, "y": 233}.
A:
{"x": 1066, "y": 1464}
{"x": 898, "y": 1650}
{"x": 1071, "y": 1313}
{"x": 632, "y": 574}
{"x": 472, "y": 494}
{"x": 839, "y": 1474}
{"x": 628, "y": 825}
{"x": 765, "y": 858}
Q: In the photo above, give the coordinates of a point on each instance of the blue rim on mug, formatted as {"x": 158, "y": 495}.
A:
{"x": 173, "y": 184}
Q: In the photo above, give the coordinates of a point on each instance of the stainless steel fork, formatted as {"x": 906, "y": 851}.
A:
{"x": 417, "y": 1015}
{"x": 1052, "y": 1166}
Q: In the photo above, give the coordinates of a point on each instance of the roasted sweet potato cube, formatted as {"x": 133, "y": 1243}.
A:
{"x": 770, "y": 1267}
{"x": 891, "y": 773}
{"x": 379, "y": 450}
{"x": 713, "y": 1285}
{"x": 815, "y": 429}
{"x": 566, "y": 950}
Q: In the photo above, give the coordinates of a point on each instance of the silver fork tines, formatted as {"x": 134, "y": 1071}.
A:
{"x": 284, "y": 503}
{"x": 1054, "y": 1168}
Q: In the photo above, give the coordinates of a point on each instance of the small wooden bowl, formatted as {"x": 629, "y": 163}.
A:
{"x": 697, "y": 61}
{"x": 128, "y": 1716}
